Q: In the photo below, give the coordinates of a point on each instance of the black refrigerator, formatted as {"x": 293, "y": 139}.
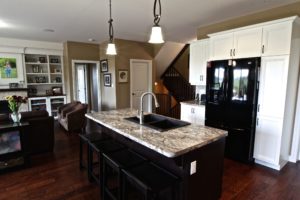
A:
{"x": 231, "y": 103}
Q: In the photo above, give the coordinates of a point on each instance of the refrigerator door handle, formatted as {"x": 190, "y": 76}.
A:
{"x": 237, "y": 129}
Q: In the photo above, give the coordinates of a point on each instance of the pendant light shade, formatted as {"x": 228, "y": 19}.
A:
{"x": 156, "y": 36}
{"x": 111, "y": 47}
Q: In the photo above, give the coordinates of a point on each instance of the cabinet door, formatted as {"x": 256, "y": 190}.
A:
{"x": 267, "y": 139}
{"x": 199, "y": 115}
{"x": 199, "y": 52}
{"x": 271, "y": 104}
{"x": 55, "y": 103}
{"x": 247, "y": 43}
{"x": 221, "y": 46}
{"x": 39, "y": 103}
{"x": 195, "y": 62}
{"x": 277, "y": 39}
{"x": 185, "y": 113}
{"x": 273, "y": 85}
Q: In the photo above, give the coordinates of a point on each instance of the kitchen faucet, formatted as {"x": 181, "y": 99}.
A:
{"x": 141, "y": 114}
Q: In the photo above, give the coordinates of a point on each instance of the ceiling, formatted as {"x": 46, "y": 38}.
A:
{"x": 79, "y": 20}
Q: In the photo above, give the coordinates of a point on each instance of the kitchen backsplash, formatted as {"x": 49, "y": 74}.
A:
{"x": 200, "y": 89}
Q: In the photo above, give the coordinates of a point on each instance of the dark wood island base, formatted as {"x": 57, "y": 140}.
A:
{"x": 205, "y": 183}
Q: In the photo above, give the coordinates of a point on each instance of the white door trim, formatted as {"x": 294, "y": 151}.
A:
{"x": 98, "y": 77}
{"x": 149, "y": 79}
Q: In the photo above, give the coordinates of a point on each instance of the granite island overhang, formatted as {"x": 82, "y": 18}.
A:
{"x": 176, "y": 150}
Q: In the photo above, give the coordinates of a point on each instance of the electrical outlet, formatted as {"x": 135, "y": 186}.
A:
{"x": 193, "y": 167}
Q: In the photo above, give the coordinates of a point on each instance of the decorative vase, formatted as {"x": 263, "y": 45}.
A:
{"x": 15, "y": 116}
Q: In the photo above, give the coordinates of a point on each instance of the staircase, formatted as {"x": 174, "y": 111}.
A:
{"x": 177, "y": 86}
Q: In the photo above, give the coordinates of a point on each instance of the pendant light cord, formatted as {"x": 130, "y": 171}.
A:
{"x": 111, "y": 28}
{"x": 157, "y": 7}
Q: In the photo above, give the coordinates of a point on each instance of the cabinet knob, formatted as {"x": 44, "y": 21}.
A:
{"x": 192, "y": 110}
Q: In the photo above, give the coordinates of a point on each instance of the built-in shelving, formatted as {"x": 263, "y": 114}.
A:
{"x": 43, "y": 72}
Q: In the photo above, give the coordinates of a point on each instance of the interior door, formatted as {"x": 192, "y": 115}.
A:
{"x": 140, "y": 82}
{"x": 81, "y": 83}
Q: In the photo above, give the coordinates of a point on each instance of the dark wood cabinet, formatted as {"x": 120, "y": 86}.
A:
{"x": 13, "y": 155}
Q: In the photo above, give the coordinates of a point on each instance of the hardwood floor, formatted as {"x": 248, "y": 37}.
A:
{"x": 57, "y": 177}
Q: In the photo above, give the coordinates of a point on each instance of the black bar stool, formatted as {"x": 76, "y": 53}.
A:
{"x": 151, "y": 181}
{"x": 100, "y": 147}
{"x": 117, "y": 161}
{"x": 86, "y": 138}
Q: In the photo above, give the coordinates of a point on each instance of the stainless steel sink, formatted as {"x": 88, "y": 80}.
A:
{"x": 159, "y": 122}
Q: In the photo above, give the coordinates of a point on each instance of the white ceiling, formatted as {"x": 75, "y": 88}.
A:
{"x": 79, "y": 20}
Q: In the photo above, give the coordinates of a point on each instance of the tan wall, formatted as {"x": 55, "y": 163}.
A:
{"x": 268, "y": 15}
{"x": 76, "y": 51}
{"x": 108, "y": 94}
{"x": 182, "y": 64}
{"x": 130, "y": 50}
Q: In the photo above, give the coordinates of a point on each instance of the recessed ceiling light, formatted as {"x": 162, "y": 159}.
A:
{"x": 49, "y": 30}
{"x": 3, "y": 24}
{"x": 91, "y": 40}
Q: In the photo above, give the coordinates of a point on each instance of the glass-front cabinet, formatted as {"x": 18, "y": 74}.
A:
{"x": 50, "y": 104}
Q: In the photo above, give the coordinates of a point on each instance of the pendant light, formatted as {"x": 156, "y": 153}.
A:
{"x": 111, "y": 47}
{"x": 156, "y": 33}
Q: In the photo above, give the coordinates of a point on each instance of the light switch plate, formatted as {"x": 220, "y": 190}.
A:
{"x": 193, "y": 167}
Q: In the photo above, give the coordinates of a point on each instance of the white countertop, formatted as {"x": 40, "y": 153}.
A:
{"x": 192, "y": 103}
{"x": 170, "y": 143}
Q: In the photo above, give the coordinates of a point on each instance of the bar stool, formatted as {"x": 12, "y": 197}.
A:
{"x": 100, "y": 147}
{"x": 151, "y": 181}
{"x": 117, "y": 161}
{"x": 86, "y": 138}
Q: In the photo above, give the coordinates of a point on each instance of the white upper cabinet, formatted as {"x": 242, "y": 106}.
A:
{"x": 199, "y": 55}
{"x": 247, "y": 43}
{"x": 221, "y": 46}
{"x": 277, "y": 39}
{"x": 238, "y": 44}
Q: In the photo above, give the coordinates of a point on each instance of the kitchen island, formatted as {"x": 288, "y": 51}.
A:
{"x": 194, "y": 153}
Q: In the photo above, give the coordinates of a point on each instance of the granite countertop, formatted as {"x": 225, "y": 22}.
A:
{"x": 192, "y": 102}
{"x": 170, "y": 143}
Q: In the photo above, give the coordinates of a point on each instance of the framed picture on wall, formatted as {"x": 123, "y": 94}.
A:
{"x": 107, "y": 79}
{"x": 123, "y": 76}
{"x": 11, "y": 68}
{"x": 104, "y": 65}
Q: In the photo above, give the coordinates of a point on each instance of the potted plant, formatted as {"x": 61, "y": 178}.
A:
{"x": 14, "y": 103}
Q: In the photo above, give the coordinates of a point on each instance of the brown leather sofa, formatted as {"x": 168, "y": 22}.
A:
{"x": 39, "y": 135}
{"x": 71, "y": 116}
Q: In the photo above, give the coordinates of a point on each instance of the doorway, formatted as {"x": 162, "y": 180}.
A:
{"x": 86, "y": 83}
{"x": 140, "y": 82}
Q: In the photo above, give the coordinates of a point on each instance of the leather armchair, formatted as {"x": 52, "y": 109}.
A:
{"x": 72, "y": 116}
